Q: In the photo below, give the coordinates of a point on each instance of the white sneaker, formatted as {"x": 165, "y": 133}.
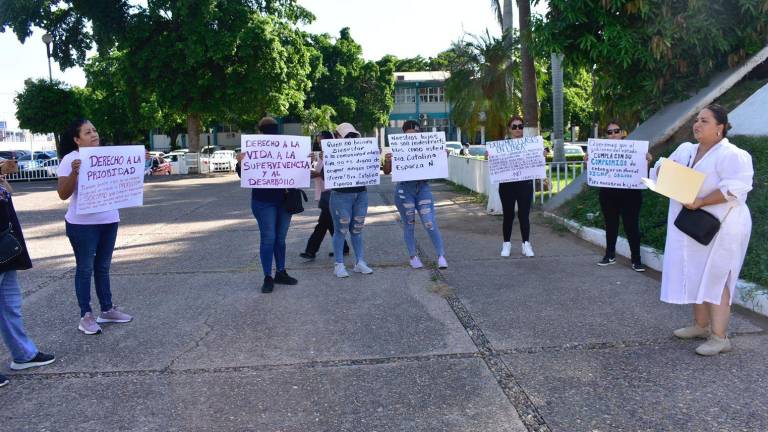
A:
{"x": 362, "y": 267}
{"x": 340, "y": 271}
{"x": 416, "y": 263}
{"x": 527, "y": 249}
{"x": 442, "y": 263}
{"x": 506, "y": 249}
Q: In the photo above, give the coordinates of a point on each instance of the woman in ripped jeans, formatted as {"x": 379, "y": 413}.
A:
{"x": 413, "y": 197}
{"x": 349, "y": 206}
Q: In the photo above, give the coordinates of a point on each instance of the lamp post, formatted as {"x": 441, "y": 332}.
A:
{"x": 47, "y": 39}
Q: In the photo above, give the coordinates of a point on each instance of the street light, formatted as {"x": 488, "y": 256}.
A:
{"x": 47, "y": 39}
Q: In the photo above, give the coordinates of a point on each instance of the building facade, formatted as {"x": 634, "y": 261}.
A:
{"x": 421, "y": 96}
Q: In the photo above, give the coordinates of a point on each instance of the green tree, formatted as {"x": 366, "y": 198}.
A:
{"x": 317, "y": 119}
{"x": 48, "y": 107}
{"x": 226, "y": 60}
{"x": 648, "y": 53}
{"x": 482, "y": 81}
{"x": 358, "y": 91}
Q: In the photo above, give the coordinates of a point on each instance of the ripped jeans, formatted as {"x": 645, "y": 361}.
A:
{"x": 348, "y": 211}
{"x": 412, "y": 197}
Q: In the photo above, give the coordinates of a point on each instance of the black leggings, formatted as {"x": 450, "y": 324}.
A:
{"x": 521, "y": 193}
{"x": 625, "y": 203}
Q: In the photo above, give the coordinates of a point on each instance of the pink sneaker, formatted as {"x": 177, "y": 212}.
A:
{"x": 88, "y": 325}
{"x": 113, "y": 316}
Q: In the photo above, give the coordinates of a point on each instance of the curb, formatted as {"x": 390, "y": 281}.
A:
{"x": 750, "y": 295}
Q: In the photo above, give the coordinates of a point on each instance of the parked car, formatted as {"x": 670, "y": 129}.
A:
{"x": 453, "y": 146}
{"x": 573, "y": 153}
{"x": 157, "y": 154}
{"x": 223, "y": 161}
{"x": 50, "y": 167}
{"x": 32, "y": 161}
{"x": 478, "y": 151}
{"x": 160, "y": 166}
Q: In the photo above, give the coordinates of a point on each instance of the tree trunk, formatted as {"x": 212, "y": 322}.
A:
{"x": 557, "y": 107}
{"x": 193, "y": 132}
{"x": 508, "y": 16}
{"x": 528, "y": 71}
{"x": 57, "y": 139}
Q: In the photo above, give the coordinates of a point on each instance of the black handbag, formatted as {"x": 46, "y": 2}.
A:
{"x": 292, "y": 203}
{"x": 698, "y": 224}
{"x": 10, "y": 247}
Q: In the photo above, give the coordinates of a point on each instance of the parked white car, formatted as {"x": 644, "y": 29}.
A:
{"x": 223, "y": 161}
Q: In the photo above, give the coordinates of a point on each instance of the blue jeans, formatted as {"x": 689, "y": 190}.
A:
{"x": 348, "y": 211}
{"x": 93, "y": 246}
{"x": 412, "y": 197}
{"x": 11, "y": 325}
{"x": 273, "y": 227}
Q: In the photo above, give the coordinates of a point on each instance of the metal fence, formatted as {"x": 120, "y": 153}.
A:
{"x": 39, "y": 169}
{"x": 559, "y": 175}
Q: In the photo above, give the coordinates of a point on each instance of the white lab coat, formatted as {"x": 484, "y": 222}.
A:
{"x": 694, "y": 273}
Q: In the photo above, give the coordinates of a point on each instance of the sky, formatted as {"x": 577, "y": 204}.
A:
{"x": 404, "y": 28}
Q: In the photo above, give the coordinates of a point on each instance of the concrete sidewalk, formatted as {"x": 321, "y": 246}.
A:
{"x": 490, "y": 344}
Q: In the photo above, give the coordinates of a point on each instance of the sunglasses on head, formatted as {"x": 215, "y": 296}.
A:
{"x": 516, "y": 126}
{"x": 614, "y": 131}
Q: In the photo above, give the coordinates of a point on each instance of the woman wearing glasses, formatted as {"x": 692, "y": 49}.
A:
{"x": 624, "y": 203}
{"x": 520, "y": 192}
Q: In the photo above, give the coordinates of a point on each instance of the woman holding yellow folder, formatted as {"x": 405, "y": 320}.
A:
{"x": 706, "y": 275}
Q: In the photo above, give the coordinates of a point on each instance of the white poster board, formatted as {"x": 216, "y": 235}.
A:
{"x": 275, "y": 161}
{"x": 516, "y": 159}
{"x": 418, "y": 156}
{"x": 619, "y": 164}
{"x": 351, "y": 162}
{"x": 111, "y": 177}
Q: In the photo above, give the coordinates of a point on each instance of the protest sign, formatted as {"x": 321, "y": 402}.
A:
{"x": 619, "y": 164}
{"x": 516, "y": 159}
{"x": 676, "y": 181}
{"x": 350, "y": 162}
{"x": 418, "y": 156}
{"x": 275, "y": 161}
{"x": 111, "y": 177}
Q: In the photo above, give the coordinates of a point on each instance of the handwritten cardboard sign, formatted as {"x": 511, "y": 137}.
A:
{"x": 418, "y": 156}
{"x": 275, "y": 161}
{"x": 619, "y": 164}
{"x": 111, "y": 177}
{"x": 516, "y": 159}
{"x": 351, "y": 162}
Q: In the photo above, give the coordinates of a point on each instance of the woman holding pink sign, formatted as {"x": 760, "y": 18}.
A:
{"x": 91, "y": 235}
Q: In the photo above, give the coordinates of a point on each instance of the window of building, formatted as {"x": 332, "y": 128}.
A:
{"x": 431, "y": 94}
{"x": 405, "y": 95}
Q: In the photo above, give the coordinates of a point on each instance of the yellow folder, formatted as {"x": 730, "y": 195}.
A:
{"x": 677, "y": 182}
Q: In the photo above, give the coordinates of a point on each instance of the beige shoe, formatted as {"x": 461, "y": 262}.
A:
{"x": 714, "y": 345}
{"x": 691, "y": 332}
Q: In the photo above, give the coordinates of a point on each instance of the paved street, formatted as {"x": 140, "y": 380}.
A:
{"x": 490, "y": 344}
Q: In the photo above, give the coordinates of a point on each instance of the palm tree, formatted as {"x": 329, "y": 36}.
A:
{"x": 528, "y": 73}
{"x": 481, "y": 81}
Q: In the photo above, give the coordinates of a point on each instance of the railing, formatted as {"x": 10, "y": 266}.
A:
{"x": 39, "y": 169}
{"x": 559, "y": 175}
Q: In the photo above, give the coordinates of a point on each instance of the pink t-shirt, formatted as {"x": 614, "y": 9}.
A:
{"x": 109, "y": 216}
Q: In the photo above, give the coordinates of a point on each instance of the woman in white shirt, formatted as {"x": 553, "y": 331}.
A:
{"x": 91, "y": 235}
{"x": 706, "y": 275}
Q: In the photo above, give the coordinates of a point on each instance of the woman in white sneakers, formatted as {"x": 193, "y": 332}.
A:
{"x": 520, "y": 192}
{"x": 91, "y": 235}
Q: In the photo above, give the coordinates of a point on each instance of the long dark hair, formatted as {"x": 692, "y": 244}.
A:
{"x": 721, "y": 117}
{"x": 68, "y": 144}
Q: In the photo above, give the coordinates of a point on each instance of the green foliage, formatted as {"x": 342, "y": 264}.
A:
{"x": 483, "y": 80}
{"x": 577, "y": 99}
{"x": 48, "y": 107}
{"x": 318, "y": 119}
{"x": 441, "y": 62}
{"x": 647, "y": 53}
{"x": 358, "y": 91}
{"x": 653, "y": 214}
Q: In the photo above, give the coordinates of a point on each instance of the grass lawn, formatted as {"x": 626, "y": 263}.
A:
{"x": 653, "y": 216}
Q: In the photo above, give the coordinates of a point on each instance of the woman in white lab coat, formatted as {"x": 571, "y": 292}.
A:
{"x": 706, "y": 275}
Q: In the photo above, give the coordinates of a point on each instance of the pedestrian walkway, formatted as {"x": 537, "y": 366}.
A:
{"x": 490, "y": 344}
